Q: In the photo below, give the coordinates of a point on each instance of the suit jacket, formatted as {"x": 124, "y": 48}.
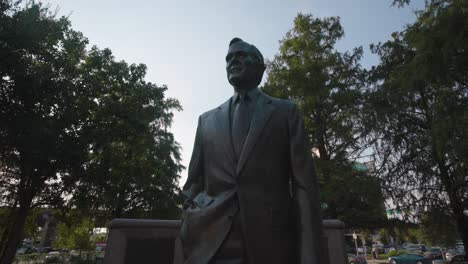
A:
{"x": 274, "y": 182}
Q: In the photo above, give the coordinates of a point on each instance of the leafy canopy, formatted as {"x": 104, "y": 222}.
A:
{"x": 328, "y": 88}
{"x": 420, "y": 100}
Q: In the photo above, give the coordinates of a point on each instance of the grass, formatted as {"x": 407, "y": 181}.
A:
{"x": 392, "y": 254}
{"x": 65, "y": 258}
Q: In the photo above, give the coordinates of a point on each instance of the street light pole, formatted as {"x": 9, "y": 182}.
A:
{"x": 355, "y": 242}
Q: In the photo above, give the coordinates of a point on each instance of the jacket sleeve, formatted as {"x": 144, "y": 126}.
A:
{"x": 195, "y": 179}
{"x": 305, "y": 192}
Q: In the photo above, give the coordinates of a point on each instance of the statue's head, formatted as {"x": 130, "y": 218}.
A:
{"x": 244, "y": 64}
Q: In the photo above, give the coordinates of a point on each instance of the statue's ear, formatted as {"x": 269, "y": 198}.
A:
{"x": 261, "y": 68}
{"x": 260, "y": 71}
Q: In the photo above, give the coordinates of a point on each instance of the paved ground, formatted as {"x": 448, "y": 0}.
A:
{"x": 373, "y": 261}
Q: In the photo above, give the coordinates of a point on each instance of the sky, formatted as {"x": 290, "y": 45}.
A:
{"x": 184, "y": 42}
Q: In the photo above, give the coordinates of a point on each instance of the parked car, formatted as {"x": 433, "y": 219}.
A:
{"x": 457, "y": 259}
{"x": 410, "y": 259}
{"x": 45, "y": 250}
{"x": 389, "y": 248}
{"x": 434, "y": 253}
{"x": 353, "y": 259}
{"x": 364, "y": 249}
{"x": 53, "y": 257}
{"x": 25, "y": 250}
{"x": 452, "y": 253}
{"x": 412, "y": 248}
{"x": 99, "y": 260}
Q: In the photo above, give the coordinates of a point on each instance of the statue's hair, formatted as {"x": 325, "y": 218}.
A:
{"x": 257, "y": 54}
{"x": 235, "y": 40}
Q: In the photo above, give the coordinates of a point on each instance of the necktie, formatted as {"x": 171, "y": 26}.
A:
{"x": 240, "y": 124}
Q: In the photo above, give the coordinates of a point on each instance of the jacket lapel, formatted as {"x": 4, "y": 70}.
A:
{"x": 263, "y": 110}
{"x": 224, "y": 128}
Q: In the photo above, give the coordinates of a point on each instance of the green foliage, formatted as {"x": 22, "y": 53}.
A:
{"x": 419, "y": 106}
{"x": 76, "y": 237}
{"x": 30, "y": 258}
{"x": 327, "y": 86}
{"x": 31, "y": 227}
{"x": 39, "y": 107}
{"x": 400, "y": 231}
{"x": 40, "y": 110}
{"x": 99, "y": 238}
{"x": 400, "y": 3}
{"x": 384, "y": 236}
{"x": 356, "y": 197}
{"x": 438, "y": 228}
{"x": 76, "y": 124}
{"x": 414, "y": 236}
{"x": 393, "y": 253}
{"x": 132, "y": 164}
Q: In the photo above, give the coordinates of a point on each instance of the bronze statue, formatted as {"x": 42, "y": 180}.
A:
{"x": 251, "y": 194}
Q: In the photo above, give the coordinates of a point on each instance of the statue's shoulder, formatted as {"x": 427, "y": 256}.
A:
{"x": 279, "y": 102}
{"x": 208, "y": 113}
{"x": 211, "y": 113}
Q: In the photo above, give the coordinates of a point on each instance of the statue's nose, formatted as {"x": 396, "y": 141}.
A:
{"x": 234, "y": 62}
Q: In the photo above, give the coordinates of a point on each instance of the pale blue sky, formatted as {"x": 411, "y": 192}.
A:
{"x": 184, "y": 42}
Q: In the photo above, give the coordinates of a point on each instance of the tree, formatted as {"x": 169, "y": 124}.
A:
{"x": 56, "y": 100}
{"x": 39, "y": 111}
{"x": 419, "y": 103}
{"x": 438, "y": 221}
{"x": 328, "y": 86}
{"x": 133, "y": 161}
{"x": 400, "y": 230}
{"x": 32, "y": 224}
{"x": 384, "y": 236}
{"x": 77, "y": 236}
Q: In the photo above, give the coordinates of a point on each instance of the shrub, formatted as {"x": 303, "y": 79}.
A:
{"x": 393, "y": 253}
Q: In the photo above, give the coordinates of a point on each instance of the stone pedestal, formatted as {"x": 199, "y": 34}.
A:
{"x": 334, "y": 233}
{"x": 152, "y": 241}
{"x": 49, "y": 224}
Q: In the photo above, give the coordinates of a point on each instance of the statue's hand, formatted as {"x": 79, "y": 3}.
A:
{"x": 202, "y": 200}
{"x": 188, "y": 204}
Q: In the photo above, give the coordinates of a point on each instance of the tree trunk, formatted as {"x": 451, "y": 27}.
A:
{"x": 119, "y": 207}
{"x": 456, "y": 202}
{"x": 6, "y": 229}
{"x": 13, "y": 236}
{"x": 456, "y": 205}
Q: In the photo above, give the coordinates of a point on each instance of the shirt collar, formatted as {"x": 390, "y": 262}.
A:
{"x": 252, "y": 94}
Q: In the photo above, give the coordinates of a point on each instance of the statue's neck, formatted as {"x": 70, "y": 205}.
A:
{"x": 244, "y": 90}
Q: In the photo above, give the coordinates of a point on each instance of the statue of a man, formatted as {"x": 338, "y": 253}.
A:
{"x": 251, "y": 194}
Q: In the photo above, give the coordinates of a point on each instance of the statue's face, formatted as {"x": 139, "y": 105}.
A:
{"x": 241, "y": 65}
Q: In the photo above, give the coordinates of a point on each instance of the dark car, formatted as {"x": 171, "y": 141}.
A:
{"x": 26, "y": 250}
{"x": 459, "y": 259}
{"x": 45, "y": 249}
{"x": 353, "y": 259}
{"x": 410, "y": 259}
{"x": 434, "y": 253}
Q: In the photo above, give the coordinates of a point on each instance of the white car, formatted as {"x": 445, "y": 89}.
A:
{"x": 452, "y": 253}
{"x": 53, "y": 254}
